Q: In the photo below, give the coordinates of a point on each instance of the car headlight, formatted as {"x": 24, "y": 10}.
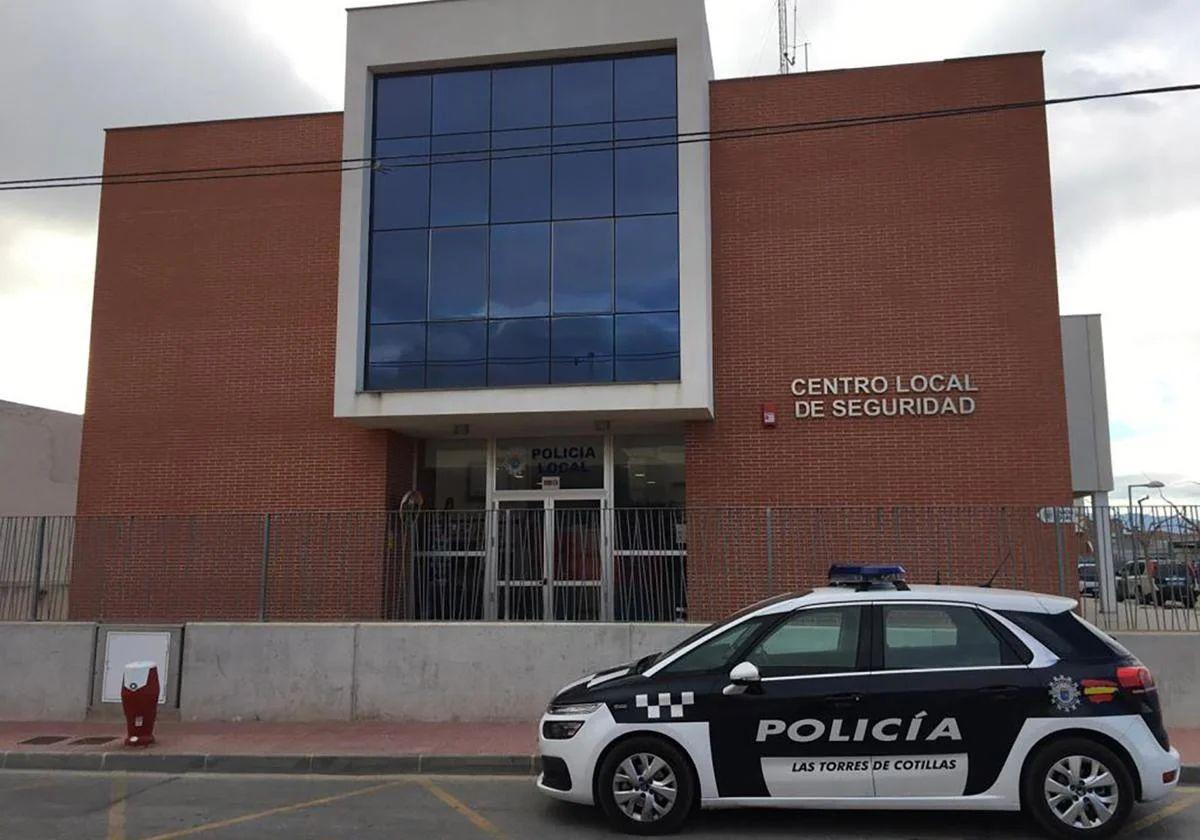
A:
{"x": 560, "y": 730}
{"x": 572, "y": 708}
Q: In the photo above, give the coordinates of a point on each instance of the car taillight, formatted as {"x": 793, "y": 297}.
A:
{"x": 1136, "y": 679}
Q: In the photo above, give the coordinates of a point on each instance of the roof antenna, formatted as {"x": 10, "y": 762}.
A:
{"x": 1005, "y": 559}
{"x": 787, "y": 46}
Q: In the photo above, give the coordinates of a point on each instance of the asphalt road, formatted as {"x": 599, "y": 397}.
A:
{"x": 116, "y": 806}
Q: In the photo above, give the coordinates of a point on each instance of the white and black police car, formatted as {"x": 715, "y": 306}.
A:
{"x": 870, "y": 694}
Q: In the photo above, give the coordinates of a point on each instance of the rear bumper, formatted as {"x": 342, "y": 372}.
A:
{"x": 1153, "y": 762}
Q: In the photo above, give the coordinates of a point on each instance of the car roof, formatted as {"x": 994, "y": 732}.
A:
{"x": 996, "y": 599}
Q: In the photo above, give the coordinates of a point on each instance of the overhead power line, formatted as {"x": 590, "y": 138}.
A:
{"x": 388, "y": 162}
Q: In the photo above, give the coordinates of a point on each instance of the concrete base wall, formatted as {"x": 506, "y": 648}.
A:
{"x": 310, "y": 672}
{"x": 483, "y": 672}
{"x": 297, "y": 672}
{"x": 47, "y": 670}
{"x": 487, "y": 671}
{"x": 1174, "y": 659}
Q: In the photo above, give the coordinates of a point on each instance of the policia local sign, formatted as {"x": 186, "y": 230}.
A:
{"x": 913, "y": 395}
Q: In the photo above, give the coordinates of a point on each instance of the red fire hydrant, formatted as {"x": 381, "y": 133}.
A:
{"x": 139, "y": 699}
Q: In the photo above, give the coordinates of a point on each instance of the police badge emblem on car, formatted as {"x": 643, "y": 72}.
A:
{"x": 1064, "y": 693}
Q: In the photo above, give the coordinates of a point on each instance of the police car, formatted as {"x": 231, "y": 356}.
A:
{"x": 870, "y": 694}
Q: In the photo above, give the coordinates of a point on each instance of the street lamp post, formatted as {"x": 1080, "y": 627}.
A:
{"x": 1153, "y": 485}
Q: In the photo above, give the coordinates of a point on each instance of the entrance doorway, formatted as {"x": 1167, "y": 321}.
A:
{"x": 551, "y": 556}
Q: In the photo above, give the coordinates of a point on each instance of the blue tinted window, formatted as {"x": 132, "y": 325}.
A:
{"x": 647, "y": 168}
{"x": 583, "y": 138}
{"x": 645, "y": 87}
{"x": 400, "y": 152}
{"x": 648, "y": 347}
{"x": 514, "y": 211}
{"x": 396, "y": 356}
{"x": 399, "y": 273}
{"x": 521, "y": 98}
{"x": 400, "y": 198}
{"x": 583, "y": 185}
{"x": 583, "y": 92}
{"x": 457, "y": 355}
{"x": 521, "y": 183}
{"x": 520, "y": 269}
{"x": 448, "y": 147}
{"x": 583, "y": 266}
{"x": 402, "y": 106}
{"x": 462, "y": 101}
{"x": 395, "y": 377}
{"x": 458, "y": 194}
{"x": 581, "y": 349}
{"x": 519, "y": 352}
{"x": 647, "y": 263}
{"x": 458, "y": 273}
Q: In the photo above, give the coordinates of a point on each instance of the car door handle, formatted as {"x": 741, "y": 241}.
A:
{"x": 843, "y": 699}
{"x": 1000, "y": 692}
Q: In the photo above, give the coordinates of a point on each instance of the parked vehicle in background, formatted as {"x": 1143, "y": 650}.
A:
{"x": 1174, "y": 581}
{"x": 1157, "y": 582}
{"x": 1133, "y": 583}
{"x": 1089, "y": 580}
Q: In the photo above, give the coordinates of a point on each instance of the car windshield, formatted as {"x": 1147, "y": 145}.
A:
{"x": 1087, "y": 572}
{"x": 1172, "y": 570}
{"x": 646, "y": 661}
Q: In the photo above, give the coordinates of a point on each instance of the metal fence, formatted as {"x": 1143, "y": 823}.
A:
{"x": 575, "y": 560}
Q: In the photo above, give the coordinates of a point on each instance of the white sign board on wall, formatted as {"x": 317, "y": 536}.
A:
{"x": 124, "y": 646}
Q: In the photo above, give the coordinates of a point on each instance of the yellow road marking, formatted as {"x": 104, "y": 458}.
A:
{"x": 285, "y": 809}
{"x": 116, "y": 810}
{"x": 1182, "y": 803}
{"x": 477, "y": 819}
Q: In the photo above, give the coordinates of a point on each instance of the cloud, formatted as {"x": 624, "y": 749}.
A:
{"x": 1126, "y": 185}
{"x": 84, "y": 66}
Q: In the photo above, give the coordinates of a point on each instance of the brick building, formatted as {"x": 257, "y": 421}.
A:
{"x": 531, "y": 296}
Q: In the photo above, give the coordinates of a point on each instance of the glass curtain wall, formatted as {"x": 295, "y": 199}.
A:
{"x": 524, "y": 226}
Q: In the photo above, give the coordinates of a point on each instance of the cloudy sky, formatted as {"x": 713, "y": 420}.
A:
{"x": 1126, "y": 174}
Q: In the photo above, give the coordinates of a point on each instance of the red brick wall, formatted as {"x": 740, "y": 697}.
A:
{"x": 917, "y": 247}
{"x": 210, "y": 382}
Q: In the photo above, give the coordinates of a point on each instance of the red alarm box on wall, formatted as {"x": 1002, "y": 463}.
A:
{"x": 769, "y": 415}
{"x": 139, "y": 699}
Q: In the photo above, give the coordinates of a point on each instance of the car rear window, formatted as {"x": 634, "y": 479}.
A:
{"x": 1067, "y": 635}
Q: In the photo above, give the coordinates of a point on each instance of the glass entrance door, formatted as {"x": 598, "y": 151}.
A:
{"x": 521, "y": 560}
{"x": 576, "y": 585}
{"x": 551, "y": 559}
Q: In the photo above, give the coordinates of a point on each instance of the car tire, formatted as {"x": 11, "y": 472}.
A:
{"x": 1057, "y": 794}
{"x": 625, "y": 774}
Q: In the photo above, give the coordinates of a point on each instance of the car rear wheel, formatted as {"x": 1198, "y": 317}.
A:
{"x": 646, "y": 786}
{"x": 1077, "y": 788}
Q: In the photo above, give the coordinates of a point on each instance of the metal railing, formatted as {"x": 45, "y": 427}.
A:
{"x": 576, "y": 560}
{"x": 35, "y": 567}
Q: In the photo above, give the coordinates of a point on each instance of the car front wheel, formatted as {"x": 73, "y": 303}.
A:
{"x": 646, "y": 786}
{"x": 1076, "y": 788}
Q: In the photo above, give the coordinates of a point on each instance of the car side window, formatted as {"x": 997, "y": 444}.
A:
{"x": 718, "y": 651}
{"x": 937, "y": 636}
{"x": 813, "y": 641}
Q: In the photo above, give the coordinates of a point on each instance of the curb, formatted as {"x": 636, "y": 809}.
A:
{"x": 327, "y": 765}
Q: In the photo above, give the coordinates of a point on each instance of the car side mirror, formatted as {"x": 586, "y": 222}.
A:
{"x": 743, "y": 676}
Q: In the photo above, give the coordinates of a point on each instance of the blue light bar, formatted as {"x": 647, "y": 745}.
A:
{"x": 852, "y": 574}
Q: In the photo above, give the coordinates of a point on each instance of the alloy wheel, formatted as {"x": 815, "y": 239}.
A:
{"x": 644, "y": 787}
{"x": 1081, "y": 792}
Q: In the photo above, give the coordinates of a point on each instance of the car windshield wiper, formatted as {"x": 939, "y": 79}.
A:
{"x": 646, "y": 661}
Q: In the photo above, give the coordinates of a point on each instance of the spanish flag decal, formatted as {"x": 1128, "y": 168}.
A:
{"x": 1099, "y": 691}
